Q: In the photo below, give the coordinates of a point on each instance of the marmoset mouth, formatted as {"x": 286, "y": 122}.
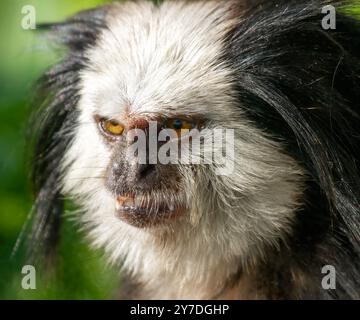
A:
{"x": 141, "y": 211}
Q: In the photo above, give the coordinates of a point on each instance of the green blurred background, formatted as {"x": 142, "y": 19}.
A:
{"x": 24, "y": 55}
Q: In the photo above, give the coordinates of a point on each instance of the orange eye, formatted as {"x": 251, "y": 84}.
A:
{"x": 112, "y": 127}
{"x": 179, "y": 125}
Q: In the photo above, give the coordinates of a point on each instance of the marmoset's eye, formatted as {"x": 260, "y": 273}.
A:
{"x": 179, "y": 124}
{"x": 111, "y": 127}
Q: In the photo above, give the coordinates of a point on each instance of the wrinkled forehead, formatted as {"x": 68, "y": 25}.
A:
{"x": 166, "y": 59}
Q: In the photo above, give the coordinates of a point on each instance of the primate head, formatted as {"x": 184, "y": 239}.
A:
{"x": 261, "y": 86}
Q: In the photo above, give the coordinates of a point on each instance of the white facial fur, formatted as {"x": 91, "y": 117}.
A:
{"x": 167, "y": 60}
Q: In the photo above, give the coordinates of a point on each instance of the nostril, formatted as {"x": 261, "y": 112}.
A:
{"x": 145, "y": 169}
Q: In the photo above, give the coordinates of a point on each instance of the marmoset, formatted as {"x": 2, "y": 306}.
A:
{"x": 287, "y": 87}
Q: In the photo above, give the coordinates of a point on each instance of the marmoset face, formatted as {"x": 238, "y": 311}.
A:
{"x": 167, "y": 66}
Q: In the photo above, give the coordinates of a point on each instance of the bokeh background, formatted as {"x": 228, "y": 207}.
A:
{"x": 24, "y": 55}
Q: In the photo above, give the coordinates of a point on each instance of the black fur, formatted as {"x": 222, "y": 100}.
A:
{"x": 296, "y": 81}
{"x": 53, "y": 119}
{"x": 301, "y": 84}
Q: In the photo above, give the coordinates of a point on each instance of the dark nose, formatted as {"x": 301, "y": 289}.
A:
{"x": 123, "y": 177}
{"x": 140, "y": 171}
{"x": 145, "y": 170}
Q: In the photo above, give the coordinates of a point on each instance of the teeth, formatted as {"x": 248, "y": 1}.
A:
{"x": 129, "y": 202}
{"x": 133, "y": 202}
{"x": 125, "y": 203}
{"x": 138, "y": 201}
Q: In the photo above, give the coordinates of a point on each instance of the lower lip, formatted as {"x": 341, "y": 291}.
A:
{"x": 142, "y": 217}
